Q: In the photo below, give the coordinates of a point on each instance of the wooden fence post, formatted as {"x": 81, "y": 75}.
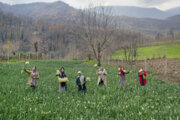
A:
{"x": 145, "y": 64}
{"x": 108, "y": 60}
{"x": 29, "y": 56}
{"x": 165, "y": 66}
{"x": 122, "y": 62}
{"x": 19, "y": 56}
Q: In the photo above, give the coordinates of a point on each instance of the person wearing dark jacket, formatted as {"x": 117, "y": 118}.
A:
{"x": 81, "y": 82}
{"x": 62, "y": 85}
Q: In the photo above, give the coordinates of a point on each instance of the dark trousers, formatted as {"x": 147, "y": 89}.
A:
{"x": 142, "y": 80}
{"x": 64, "y": 85}
{"x": 101, "y": 82}
{"x": 82, "y": 88}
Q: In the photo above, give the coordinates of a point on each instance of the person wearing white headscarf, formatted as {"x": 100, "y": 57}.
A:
{"x": 102, "y": 76}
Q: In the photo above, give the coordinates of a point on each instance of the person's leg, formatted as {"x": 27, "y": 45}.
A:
{"x": 33, "y": 83}
{"x": 65, "y": 86}
{"x": 36, "y": 84}
{"x": 99, "y": 80}
{"x": 124, "y": 82}
{"x": 105, "y": 82}
{"x": 84, "y": 88}
{"x": 121, "y": 82}
{"x": 142, "y": 80}
{"x": 79, "y": 87}
{"x": 60, "y": 87}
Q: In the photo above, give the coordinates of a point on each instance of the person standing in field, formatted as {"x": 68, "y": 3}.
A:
{"x": 122, "y": 74}
{"x": 62, "y": 75}
{"x": 102, "y": 76}
{"x": 81, "y": 82}
{"x": 142, "y": 77}
{"x": 34, "y": 77}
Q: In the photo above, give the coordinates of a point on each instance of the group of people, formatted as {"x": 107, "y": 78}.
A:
{"x": 81, "y": 80}
{"x": 122, "y": 74}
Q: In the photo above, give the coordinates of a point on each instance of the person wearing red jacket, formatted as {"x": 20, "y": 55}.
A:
{"x": 142, "y": 77}
{"x": 122, "y": 74}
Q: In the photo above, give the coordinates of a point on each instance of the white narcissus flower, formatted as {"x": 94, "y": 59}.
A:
{"x": 95, "y": 65}
{"x": 88, "y": 78}
{"x": 27, "y": 62}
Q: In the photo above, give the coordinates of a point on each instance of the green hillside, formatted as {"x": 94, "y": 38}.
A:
{"x": 157, "y": 100}
{"x": 170, "y": 51}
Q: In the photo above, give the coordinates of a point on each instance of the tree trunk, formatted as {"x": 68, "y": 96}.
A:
{"x": 99, "y": 55}
{"x": 99, "y": 62}
{"x": 37, "y": 55}
{"x": 8, "y": 55}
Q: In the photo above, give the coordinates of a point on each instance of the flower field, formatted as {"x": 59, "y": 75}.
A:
{"x": 158, "y": 100}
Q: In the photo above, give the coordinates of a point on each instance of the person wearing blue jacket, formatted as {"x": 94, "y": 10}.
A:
{"x": 62, "y": 85}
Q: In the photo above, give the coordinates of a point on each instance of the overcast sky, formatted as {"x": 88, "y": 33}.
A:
{"x": 161, "y": 4}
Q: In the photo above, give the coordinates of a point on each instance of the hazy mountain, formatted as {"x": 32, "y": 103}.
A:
{"x": 57, "y": 11}
{"x": 174, "y": 19}
{"x": 138, "y": 12}
{"x": 174, "y": 11}
{"x": 148, "y": 20}
{"x": 61, "y": 11}
{"x": 150, "y": 26}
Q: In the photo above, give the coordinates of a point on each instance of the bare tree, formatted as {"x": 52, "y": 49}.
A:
{"x": 130, "y": 48}
{"x": 7, "y": 48}
{"x": 171, "y": 34}
{"x": 97, "y": 29}
{"x": 159, "y": 37}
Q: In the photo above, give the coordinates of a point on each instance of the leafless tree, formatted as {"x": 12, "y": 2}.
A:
{"x": 171, "y": 34}
{"x": 97, "y": 29}
{"x": 130, "y": 48}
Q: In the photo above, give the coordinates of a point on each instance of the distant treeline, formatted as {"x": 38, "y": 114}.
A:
{"x": 62, "y": 40}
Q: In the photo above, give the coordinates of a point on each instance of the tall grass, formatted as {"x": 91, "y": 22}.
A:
{"x": 157, "y": 100}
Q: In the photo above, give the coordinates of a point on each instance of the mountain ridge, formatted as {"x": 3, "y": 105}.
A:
{"x": 62, "y": 12}
{"x": 130, "y": 11}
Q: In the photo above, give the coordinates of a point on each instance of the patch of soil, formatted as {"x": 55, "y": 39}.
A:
{"x": 166, "y": 69}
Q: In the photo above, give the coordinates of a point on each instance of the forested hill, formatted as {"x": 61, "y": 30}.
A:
{"x": 146, "y": 20}
{"x": 54, "y": 12}
{"x": 18, "y": 30}
{"x": 51, "y": 25}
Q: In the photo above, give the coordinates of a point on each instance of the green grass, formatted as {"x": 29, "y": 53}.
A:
{"x": 157, "y": 100}
{"x": 158, "y": 43}
{"x": 170, "y": 51}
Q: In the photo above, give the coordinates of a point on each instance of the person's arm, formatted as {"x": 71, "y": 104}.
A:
{"x": 65, "y": 74}
{"x": 105, "y": 72}
{"x": 77, "y": 81}
{"x": 38, "y": 76}
{"x": 145, "y": 73}
{"x": 84, "y": 82}
{"x": 57, "y": 73}
{"x": 27, "y": 71}
{"x": 127, "y": 72}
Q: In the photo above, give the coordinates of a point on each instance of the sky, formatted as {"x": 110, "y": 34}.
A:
{"x": 160, "y": 4}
